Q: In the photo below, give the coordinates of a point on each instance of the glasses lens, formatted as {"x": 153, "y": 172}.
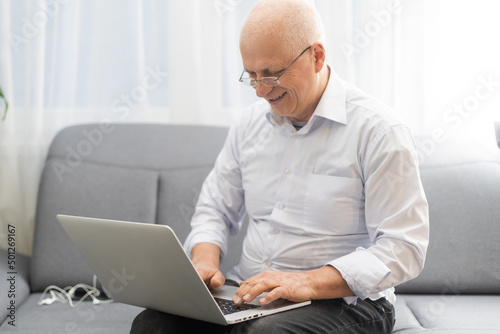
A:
{"x": 248, "y": 81}
{"x": 267, "y": 81}
{"x": 270, "y": 81}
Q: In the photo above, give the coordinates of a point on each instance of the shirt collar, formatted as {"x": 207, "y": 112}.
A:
{"x": 331, "y": 106}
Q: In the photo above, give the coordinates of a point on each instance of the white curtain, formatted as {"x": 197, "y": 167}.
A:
{"x": 64, "y": 62}
{"x": 437, "y": 63}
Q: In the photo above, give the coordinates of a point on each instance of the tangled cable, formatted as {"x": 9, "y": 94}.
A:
{"x": 67, "y": 294}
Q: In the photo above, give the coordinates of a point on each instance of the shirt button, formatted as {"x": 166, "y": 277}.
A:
{"x": 287, "y": 171}
{"x": 268, "y": 264}
{"x": 276, "y": 230}
{"x": 281, "y": 206}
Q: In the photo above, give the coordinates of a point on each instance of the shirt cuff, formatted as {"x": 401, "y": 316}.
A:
{"x": 362, "y": 271}
{"x": 195, "y": 238}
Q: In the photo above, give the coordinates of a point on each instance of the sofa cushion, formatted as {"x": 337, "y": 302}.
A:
{"x": 406, "y": 322}
{"x": 464, "y": 197}
{"x": 61, "y": 318}
{"x": 147, "y": 146}
{"x": 176, "y": 207}
{"x": 91, "y": 190}
{"x": 447, "y": 314}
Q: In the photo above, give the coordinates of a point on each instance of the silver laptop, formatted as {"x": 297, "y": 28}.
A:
{"x": 145, "y": 265}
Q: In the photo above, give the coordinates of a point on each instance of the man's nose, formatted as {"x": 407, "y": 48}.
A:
{"x": 261, "y": 90}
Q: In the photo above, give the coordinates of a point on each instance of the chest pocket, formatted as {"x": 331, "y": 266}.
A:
{"x": 333, "y": 205}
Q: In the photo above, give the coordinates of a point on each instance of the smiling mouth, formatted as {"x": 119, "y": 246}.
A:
{"x": 278, "y": 98}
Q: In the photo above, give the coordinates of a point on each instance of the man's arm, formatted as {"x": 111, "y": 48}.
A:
{"x": 396, "y": 217}
{"x": 220, "y": 207}
{"x": 322, "y": 283}
{"x": 206, "y": 261}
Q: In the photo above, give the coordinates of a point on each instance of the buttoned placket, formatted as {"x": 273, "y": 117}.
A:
{"x": 280, "y": 212}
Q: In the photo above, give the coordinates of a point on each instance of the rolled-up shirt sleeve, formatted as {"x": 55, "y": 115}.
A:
{"x": 220, "y": 207}
{"x": 396, "y": 215}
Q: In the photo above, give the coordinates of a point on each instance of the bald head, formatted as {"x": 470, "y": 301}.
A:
{"x": 293, "y": 24}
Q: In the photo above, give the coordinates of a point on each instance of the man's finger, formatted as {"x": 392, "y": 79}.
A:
{"x": 273, "y": 295}
{"x": 257, "y": 289}
{"x": 244, "y": 293}
{"x": 217, "y": 280}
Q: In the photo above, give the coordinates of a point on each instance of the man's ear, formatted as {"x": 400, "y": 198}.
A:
{"x": 319, "y": 54}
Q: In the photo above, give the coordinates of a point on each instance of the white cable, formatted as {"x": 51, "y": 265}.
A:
{"x": 67, "y": 294}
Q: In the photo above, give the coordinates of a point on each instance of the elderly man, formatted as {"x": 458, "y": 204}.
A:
{"x": 329, "y": 179}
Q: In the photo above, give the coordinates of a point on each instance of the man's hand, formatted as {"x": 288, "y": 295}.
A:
{"x": 292, "y": 286}
{"x": 206, "y": 261}
{"x": 322, "y": 283}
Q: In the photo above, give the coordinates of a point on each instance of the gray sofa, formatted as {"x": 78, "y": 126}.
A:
{"x": 153, "y": 173}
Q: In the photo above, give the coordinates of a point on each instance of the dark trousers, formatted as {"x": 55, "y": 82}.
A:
{"x": 322, "y": 316}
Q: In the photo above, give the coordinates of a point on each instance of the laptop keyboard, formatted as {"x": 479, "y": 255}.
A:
{"x": 227, "y": 306}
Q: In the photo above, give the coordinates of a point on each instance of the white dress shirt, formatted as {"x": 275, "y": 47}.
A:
{"x": 344, "y": 191}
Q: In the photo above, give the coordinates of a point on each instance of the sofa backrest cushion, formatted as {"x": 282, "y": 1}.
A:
{"x": 462, "y": 185}
{"x": 135, "y": 172}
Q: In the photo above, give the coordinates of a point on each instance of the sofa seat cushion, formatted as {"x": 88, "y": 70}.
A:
{"x": 108, "y": 318}
{"x": 447, "y": 314}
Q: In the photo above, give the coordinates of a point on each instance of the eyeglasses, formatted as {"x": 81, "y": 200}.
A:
{"x": 269, "y": 81}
